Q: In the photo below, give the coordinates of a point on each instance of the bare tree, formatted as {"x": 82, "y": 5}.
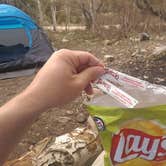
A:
{"x": 87, "y": 15}
{"x": 157, "y": 8}
{"x": 67, "y": 13}
{"x": 92, "y": 4}
{"x": 90, "y": 11}
{"x": 8, "y": 2}
{"x": 53, "y": 13}
{"x": 41, "y": 17}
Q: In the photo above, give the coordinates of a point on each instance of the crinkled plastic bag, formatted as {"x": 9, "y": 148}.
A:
{"x": 131, "y": 118}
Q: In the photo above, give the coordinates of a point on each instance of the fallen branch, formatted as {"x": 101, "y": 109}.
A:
{"x": 79, "y": 147}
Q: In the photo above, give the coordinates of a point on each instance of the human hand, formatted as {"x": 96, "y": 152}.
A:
{"x": 64, "y": 76}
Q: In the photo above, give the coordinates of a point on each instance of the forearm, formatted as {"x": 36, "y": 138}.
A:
{"x": 15, "y": 117}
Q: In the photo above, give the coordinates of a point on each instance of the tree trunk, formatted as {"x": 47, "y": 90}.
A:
{"x": 79, "y": 147}
{"x": 53, "y": 12}
{"x": 11, "y": 2}
{"x": 87, "y": 15}
{"x": 93, "y": 14}
{"x": 157, "y": 8}
{"x": 67, "y": 14}
{"x": 90, "y": 12}
{"x": 40, "y": 12}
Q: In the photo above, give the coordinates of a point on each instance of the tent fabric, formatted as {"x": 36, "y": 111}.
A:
{"x": 23, "y": 43}
{"x": 8, "y": 37}
{"x": 9, "y": 53}
{"x": 10, "y": 15}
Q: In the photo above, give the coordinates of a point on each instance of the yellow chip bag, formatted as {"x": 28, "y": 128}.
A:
{"x": 131, "y": 118}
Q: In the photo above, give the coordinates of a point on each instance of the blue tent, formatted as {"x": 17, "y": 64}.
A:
{"x": 22, "y": 42}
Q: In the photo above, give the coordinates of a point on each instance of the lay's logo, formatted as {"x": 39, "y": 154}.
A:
{"x": 131, "y": 144}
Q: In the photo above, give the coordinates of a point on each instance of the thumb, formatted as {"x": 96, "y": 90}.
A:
{"x": 90, "y": 74}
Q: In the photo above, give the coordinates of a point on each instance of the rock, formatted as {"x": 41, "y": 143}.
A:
{"x": 134, "y": 53}
{"x": 139, "y": 56}
{"x": 159, "y": 53}
{"x": 32, "y": 142}
{"x": 107, "y": 42}
{"x": 64, "y": 119}
{"x": 21, "y": 144}
{"x": 69, "y": 112}
{"x": 143, "y": 51}
{"x": 160, "y": 37}
{"x": 145, "y": 77}
{"x": 139, "y": 53}
{"x": 116, "y": 43}
{"x": 159, "y": 80}
{"x": 37, "y": 134}
{"x": 46, "y": 128}
{"x": 144, "y": 36}
{"x": 81, "y": 118}
{"x": 108, "y": 58}
{"x": 147, "y": 65}
{"x": 31, "y": 147}
{"x": 134, "y": 39}
{"x": 64, "y": 40}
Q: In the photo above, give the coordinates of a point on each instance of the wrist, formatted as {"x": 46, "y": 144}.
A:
{"x": 31, "y": 100}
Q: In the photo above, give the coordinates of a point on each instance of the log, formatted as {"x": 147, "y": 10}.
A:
{"x": 79, "y": 147}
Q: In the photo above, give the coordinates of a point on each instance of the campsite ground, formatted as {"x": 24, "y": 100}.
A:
{"x": 129, "y": 55}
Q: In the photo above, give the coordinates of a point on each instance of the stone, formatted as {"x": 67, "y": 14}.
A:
{"x": 46, "y": 128}
{"x": 81, "y": 118}
{"x": 144, "y": 36}
{"x": 145, "y": 77}
{"x": 21, "y": 144}
{"x": 108, "y": 58}
{"x": 136, "y": 68}
{"x": 159, "y": 53}
{"x": 116, "y": 43}
{"x": 64, "y": 40}
{"x": 107, "y": 42}
{"x": 37, "y": 134}
{"x": 31, "y": 147}
{"x": 143, "y": 51}
{"x": 64, "y": 119}
{"x": 159, "y": 80}
{"x": 134, "y": 39}
{"x": 160, "y": 37}
{"x": 69, "y": 112}
{"x": 134, "y": 53}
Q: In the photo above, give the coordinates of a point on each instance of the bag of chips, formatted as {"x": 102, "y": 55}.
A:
{"x": 131, "y": 118}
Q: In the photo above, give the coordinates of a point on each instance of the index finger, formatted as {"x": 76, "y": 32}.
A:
{"x": 86, "y": 59}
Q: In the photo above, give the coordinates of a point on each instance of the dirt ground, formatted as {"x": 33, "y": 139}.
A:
{"x": 130, "y": 56}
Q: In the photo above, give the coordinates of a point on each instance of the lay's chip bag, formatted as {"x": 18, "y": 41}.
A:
{"x": 131, "y": 118}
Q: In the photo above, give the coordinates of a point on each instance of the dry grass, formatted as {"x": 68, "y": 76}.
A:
{"x": 127, "y": 19}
